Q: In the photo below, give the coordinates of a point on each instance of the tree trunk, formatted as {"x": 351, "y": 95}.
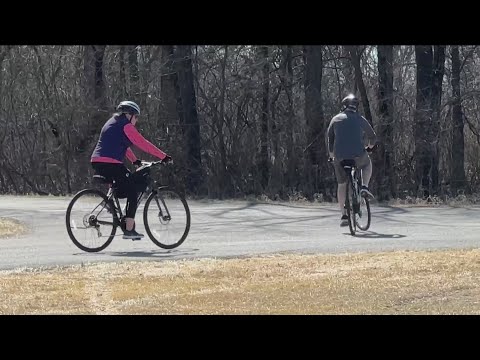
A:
{"x": 264, "y": 163}
{"x": 291, "y": 158}
{"x": 316, "y": 125}
{"x": 222, "y": 174}
{"x": 95, "y": 94}
{"x": 189, "y": 116}
{"x": 100, "y": 96}
{"x": 356, "y": 63}
{"x": 134, "y": 93}
{"x": 168, "y": 116}
{"x": 423, "y": 117}
{"x": 383, "y": 158}
{"x": 348, "y": 72}
{"x": 437, "y": 80}
{"x": 88, "y": 73}
{"x": 457, "y": 177}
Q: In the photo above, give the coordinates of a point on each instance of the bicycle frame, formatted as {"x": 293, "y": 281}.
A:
{"x": 118, "y": 209}
{"x": 119, "y": 216}
{"x": 354, "y": 175}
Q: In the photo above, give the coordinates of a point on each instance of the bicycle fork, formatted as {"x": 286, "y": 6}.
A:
{"x": 161, "y": 216}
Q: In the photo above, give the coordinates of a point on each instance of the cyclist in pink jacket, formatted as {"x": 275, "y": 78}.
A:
{"x": 117, "y": 136}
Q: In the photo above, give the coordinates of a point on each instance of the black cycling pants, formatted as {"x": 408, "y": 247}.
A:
{"x": 124, "y": 181}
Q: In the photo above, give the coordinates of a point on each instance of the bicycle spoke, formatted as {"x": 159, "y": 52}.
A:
{"x": 167, "y": 219}
{"x": 89, "y": 223}
{"x": 364, "y": 217}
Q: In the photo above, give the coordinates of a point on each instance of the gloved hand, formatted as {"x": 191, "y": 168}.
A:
{"x": 167, "y": 159}
{"x": 373, "y": 147}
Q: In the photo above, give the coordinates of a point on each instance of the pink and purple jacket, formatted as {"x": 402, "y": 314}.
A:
{"x": 116, "y": 137}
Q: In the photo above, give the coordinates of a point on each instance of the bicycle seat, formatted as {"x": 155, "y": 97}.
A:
{"x": 102, "y": 179}
{"x": 348, "y": 163}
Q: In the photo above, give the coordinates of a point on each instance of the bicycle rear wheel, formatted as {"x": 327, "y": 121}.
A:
{"x": 349, "y": 202}
{"x": 363, "y": 218}
{"x": 90, "y": 225}
{"x": 166, "y": 218}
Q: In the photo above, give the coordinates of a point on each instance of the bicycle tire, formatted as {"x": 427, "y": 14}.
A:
{"x": 154, "y": 237}
{"x": 369, "y": 217}
{"x": 69, "y": 228}
{"x": 349, "y": 206}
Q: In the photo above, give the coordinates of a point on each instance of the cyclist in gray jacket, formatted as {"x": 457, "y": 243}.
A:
{"x": 345, "y": 136}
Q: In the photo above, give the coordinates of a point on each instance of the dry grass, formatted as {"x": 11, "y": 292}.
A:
{"x": 433, "y": 201}
{"x": 10, "y": 227}
{"x": 442, "y": 282}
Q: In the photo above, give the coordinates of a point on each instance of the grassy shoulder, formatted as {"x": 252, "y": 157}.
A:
{"x": 11, "y": 227}
{"x": 404, "y": 282}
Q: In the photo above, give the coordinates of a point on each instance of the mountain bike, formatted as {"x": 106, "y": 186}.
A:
{"x": 356, "y": 205}
{"x": 93, "y": 216}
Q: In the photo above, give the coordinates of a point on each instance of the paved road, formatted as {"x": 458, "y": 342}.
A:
{"x": 239, "y": 228}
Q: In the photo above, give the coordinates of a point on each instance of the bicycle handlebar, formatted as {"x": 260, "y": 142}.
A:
{"x": 146, "y": 164}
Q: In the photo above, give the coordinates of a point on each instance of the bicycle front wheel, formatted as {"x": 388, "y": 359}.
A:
{"x": 349, "y": 204}
{"x": 166, "y": 218}
{"x": 90, "y": 224}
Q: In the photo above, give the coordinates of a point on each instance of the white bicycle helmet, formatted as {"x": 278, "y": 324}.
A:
{"x": 129, "y": 107}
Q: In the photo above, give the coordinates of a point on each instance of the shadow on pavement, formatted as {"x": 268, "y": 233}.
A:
{"x": 375, "y": 235}
{"x": 159, "y": 254}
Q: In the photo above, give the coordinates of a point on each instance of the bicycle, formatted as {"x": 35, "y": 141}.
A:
{"x": 92, "y": 212}
{"x": 357, "y": 206}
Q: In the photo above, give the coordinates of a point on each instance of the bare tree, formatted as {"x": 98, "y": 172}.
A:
{"x": 430, "y": 70}
{"x": 457, "y": 180}
{"x": 123, "y": 82}
{"x": 355, "y": 54}
{"x": 95, "y": 94}
{"x": 315, "y": 121}
{"x": 347, "y": 70}
{"x": 189, "y": 116}
{"x": 134, "y": 79}
{"x": 242, "y": 119}
{"x": 167, "y": 111}
{"x": 263, "y": 156}
{"x": 383, "y": 160}
{"x": 291, "y": 155}
{"x": 437, "y": 85}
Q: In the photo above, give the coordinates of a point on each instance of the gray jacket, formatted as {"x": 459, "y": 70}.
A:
{"x": 345, "y": 135}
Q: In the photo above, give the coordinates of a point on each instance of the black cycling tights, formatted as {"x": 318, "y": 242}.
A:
{"x": 124, "y": 181}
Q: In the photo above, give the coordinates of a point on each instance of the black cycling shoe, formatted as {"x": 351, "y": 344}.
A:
{"x": 132, "y": 234}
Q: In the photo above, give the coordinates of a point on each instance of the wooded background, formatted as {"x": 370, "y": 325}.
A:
{"x": 243, "y": 119}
